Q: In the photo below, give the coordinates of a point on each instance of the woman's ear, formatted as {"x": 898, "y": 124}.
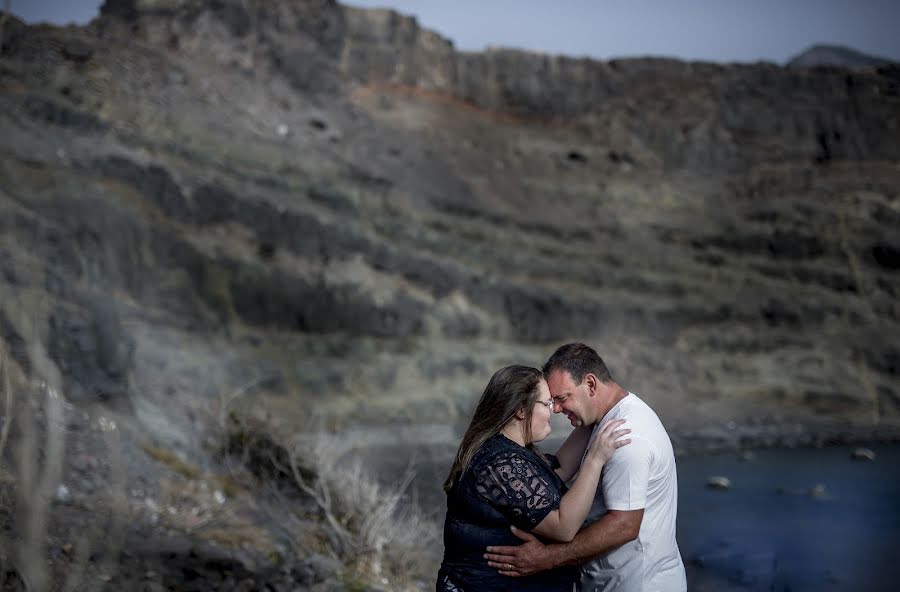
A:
{"x": 520, "y": 414}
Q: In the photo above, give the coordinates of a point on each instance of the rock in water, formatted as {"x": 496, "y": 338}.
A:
{"x": 862, "y": 454}
{"x": 718, "y": 482}
{"x": 818, "y": 491}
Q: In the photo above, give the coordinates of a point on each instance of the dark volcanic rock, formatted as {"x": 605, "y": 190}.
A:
{"x": 235, "y": 15}
{"x": 53, "y": 111}
{"x": 92, "y": 351}
{"x": 14, "y": 30}
{"x": 306, "y": 68}
{"x": 124, "y": 9}
{"x": 887, "y": 256}
{"x": 314, "y": 306}
{"x": 153, "y": 182}
{"x": 78, "y": 51}
{"x": 886, "y": 360}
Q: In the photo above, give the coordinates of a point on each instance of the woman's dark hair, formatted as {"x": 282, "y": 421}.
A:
{"x": 510, "y": 389}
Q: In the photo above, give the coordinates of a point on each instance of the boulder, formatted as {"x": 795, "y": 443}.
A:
{"x": 864, "y": 454}
{"x": 718, "y": 483}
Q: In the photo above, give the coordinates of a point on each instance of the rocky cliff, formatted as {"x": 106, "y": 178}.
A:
{"x": 319, "y": 211}
{"x": 267, "y": 187}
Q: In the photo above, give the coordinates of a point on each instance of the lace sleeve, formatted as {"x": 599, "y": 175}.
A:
{"x": 513, "y": 485}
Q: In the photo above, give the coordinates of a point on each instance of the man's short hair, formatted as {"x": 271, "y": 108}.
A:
{"x": 577, "y": 359}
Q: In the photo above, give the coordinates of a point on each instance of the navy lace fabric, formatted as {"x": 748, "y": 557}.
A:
{"x": 504, "y": 484}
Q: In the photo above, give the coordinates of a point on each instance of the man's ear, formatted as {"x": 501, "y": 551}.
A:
{"x": 591, "y": 381}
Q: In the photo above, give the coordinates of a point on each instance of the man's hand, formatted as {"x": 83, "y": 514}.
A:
{"x": 528, "y": 558}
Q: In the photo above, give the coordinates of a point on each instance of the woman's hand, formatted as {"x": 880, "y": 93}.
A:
{"x": 606, "y": 442}
{"x": 563, "y": 524}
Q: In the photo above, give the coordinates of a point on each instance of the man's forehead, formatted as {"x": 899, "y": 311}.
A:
{"x": 560, "y": 381}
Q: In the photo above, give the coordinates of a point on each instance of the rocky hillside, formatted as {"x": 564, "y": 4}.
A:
{"x": 336, "y": 204}
{"x": 326, "y": 216}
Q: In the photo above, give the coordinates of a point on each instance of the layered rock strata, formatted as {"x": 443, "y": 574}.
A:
{"x": 337, "y": 206}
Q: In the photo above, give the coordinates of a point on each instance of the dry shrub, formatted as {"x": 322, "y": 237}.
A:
{"x": 378, "y": 532}
{"x": 386, "y": 534}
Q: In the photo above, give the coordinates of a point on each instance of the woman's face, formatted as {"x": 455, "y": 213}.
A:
{"x": 540, "y": 415}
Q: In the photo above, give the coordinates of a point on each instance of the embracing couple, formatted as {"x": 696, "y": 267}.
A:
{"x": 599, "y": 515}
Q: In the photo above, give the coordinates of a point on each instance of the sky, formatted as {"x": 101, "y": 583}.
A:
{"x": 707, "y": 30}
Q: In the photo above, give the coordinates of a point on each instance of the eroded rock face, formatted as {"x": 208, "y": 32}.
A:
{"x": 92, "y": 350}
{"x": 336, "y": 198}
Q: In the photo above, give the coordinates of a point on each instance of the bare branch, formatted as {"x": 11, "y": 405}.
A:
{"x": 37, "y": 483}
{"x": 323, "y": 501}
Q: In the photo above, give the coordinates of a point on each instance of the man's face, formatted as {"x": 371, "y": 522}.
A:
{"x": 570, "y": 398}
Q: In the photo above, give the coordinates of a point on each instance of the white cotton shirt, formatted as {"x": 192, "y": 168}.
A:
{"x": 639, "y": 475}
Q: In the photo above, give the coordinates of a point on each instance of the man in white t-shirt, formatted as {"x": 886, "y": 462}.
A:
{"x": 629, "y": 541}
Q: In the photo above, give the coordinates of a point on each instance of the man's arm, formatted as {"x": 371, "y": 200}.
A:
{"x": 614, "y": 529}
{"x": 570, "y": 453}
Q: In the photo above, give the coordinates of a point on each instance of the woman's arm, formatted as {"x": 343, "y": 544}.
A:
{"x": 562, "y": 524}
{"x": 572, "y": 450}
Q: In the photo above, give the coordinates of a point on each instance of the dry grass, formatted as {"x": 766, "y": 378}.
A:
{"x": 171, "y": 460}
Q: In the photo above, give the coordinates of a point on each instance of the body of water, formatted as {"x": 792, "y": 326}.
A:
{"x": 798, "y": 520}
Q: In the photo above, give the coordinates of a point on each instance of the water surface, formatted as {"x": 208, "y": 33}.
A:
{"x": 769, "y": 533}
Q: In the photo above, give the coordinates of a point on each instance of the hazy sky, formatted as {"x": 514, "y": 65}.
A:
{"x": 713, "y": 30}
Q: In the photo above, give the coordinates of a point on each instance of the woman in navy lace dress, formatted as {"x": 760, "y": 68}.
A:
{"x": 499, "y": 479}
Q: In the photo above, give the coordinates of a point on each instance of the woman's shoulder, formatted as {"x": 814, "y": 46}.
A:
{"x": 499, "y": 448}
{"x": 496, "y": 444}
